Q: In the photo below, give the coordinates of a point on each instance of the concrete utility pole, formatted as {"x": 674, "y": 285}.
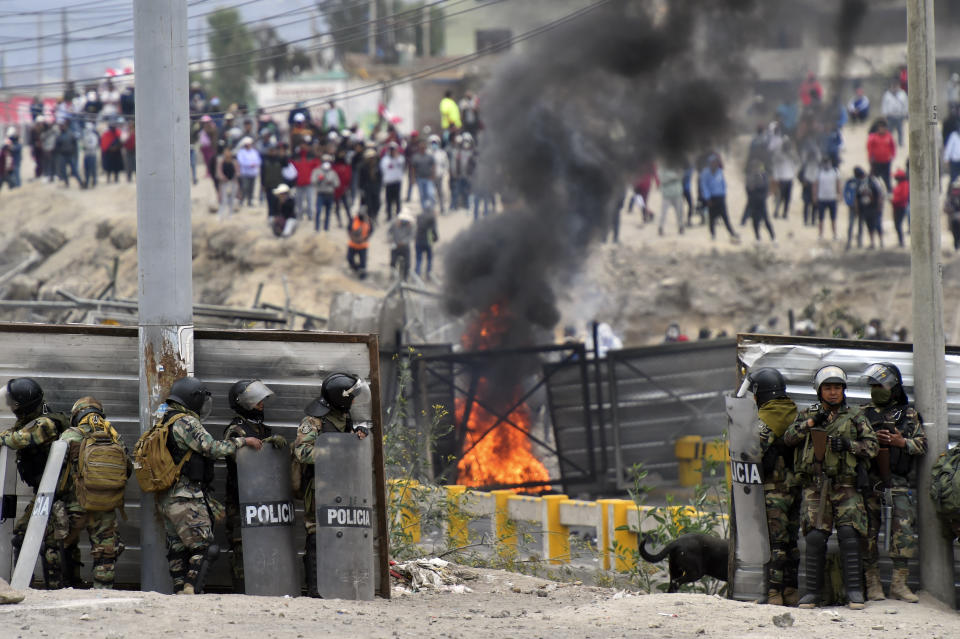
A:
{"x": 372, "y": 30}
{"x": 163, "y": 232}
{"x": 40, "y": 47}
{"x": 63, "y": 45}
{"x": 936, "y": 555}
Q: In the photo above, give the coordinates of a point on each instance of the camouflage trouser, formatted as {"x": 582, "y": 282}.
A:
{"x": 189, "y": 533}
{"x": 845, "y": 508}
{"x": 783, "y": 526}
{"x": 309, "y": 508}
{"x": 50, "y": 554}
{"x": 903, "y": 527}
{"x": 234, "y": 537}
{"x": 105, "y": 544}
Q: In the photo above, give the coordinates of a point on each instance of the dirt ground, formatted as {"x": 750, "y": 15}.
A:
{"x": 499, "y": 605}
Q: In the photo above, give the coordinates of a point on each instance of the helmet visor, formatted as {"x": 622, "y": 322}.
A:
{"x": 6, "y": 399}
{"x": 880, "y": 375}
{"x": 362, "y": 407}
{"x": 207, "y": 406}
{"x": 253, "y": 394}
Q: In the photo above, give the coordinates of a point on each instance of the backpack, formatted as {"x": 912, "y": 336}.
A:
{"x": 945, "y": 482}
{"x": 866, "y": 193}
{"x": 152, "y": 461}
{"x": 101, "y": 466}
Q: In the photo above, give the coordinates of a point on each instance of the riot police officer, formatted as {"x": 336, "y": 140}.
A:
{"x": 188, "y": 509}
{"x": 246, "y": 398}
{"x": 36, "y": 428}
{"x": 893, "y": 478}
{"x": 831, "y": 439}
{"x": 329, "y": 413}
{"x": 781, "y": 491}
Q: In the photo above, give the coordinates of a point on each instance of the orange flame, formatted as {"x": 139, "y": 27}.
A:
{"x": 503, "y": 455}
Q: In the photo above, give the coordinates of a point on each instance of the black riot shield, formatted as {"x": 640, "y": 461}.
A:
{"x": 752, "y": 543}
{"x": 267, "y": 522}
{"x": 37, "y": 526}
{"x": 344, "y": 491}
{"x": 8, "y": 509}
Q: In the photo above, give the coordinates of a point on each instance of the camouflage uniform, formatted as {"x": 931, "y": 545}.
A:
{"x": 845, "y": 507}
{"x": 31, "y": 437}
{"x": 188, "y": 512}
{"x": 781, "y": 494}
{"x": 903, "y": 544}
{"x": 105, "y": 544}
{"x": 310, "y": 427}
{"x": 239, "y": 427}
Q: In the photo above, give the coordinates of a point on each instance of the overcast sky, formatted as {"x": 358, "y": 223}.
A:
{"x": 96, "y": 45}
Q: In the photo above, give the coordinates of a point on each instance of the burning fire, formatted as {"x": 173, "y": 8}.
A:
{"x": 503, "y": 455}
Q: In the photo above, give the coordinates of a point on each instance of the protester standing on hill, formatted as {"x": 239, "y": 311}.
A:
{"x": 326, "y": 182}
{"x": 65, "y": 150}
{"x": 248, "y": 163}
{"x": 392, "y": 167}
{"x": 881, "y": 150}
{"x": 345, "y": 174}
{"x": 358, "y": 242}
{"x": 449, "y": 115}
{"x": 827, "y": 193}
{"x": 713, "y": 189}
{"x": 901, "y": 202}
{"x": 783, "y": 159}
{"x": 671, "y": 195}
{"x": 370, "y": 183}
{"x": 91, "y": 145}
{"x": 869, "y": 203}
{"x": 758, "y": 187}
{"x": 894, "y": 109}
{"x": 112, "y": 152}
{"x": 227, "y": 176}
{"x": 426, "y": 237}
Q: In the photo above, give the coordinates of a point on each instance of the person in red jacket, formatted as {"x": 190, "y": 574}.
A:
{"x": 345, "y": 173}
{"x": 901, "y": 202}
{"x": 305, "y": 162}
{"x": 881, "y": 150}
{"x": 810, "y": 90}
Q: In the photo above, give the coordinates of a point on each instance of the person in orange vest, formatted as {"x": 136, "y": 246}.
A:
{"x": 358, "y": 241}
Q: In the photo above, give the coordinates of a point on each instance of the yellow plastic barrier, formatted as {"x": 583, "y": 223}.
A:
{"x": 457, "y": 519}
{"x": 408, "y": 516}
{"x": 689, "y": 452}
{"x": 718, "y": 450}
{"x": 504, "y": 529}
{"x": 625, "y": 539}
{"x": 604, "y": 538}
{"x": 556, "y": 535}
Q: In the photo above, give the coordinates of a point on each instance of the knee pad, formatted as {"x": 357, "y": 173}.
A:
{"x": 817, "y": 539}
{"x": 845, "y": 533}
{"x": 213, "y": 551}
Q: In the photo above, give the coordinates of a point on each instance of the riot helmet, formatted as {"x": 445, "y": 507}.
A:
{"x": 338, "y": 392}
{"x": 766, "y": 384}
{"x": 23, "y": 396}
{"x": 829, "y": 375}
{"x": 83, "y": 407}
{"x": 191, "y": 393}
{"x": 886, "y": 384}
{"x": 246, "y": 395}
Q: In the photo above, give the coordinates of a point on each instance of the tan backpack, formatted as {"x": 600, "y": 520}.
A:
{"x": 152, "y": 461}
{"x": 101, "y": 475}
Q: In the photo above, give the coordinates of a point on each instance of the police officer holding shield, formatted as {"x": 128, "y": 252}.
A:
{"x": 892, "y": 500}
{"x": 329, "y": 413}
{"x": 831, "y": 439}
{"x": 781, "y": 491}
{"x": 36, "y": 428}
{"x": 246, "y": 398}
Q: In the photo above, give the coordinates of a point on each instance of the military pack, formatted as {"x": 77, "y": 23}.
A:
{"x": 945, "y": 483}
{"x": 152, "y": 462}
{"x": 101, "y": 465}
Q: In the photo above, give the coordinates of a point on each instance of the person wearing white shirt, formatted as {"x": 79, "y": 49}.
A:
{"x": 248, "y": 165}
{"x": 392, "y": 167}
{"x": 894, "y": 109}
{"x": 826, "y": 192}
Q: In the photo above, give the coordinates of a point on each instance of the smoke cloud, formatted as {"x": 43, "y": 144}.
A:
{"x": 569, "y": 121}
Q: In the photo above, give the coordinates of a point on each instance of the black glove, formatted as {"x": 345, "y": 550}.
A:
{"x": 820, "y": 419}
{"x": 839, "y": 444}
{"x": 361, "y": 430}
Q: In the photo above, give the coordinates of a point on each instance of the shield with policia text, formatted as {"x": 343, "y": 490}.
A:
{"x": 267, "y": 522}
{"x": 37, "y": 526}
{"x": 750, "y": 540}
{"x": 8, "y": 509}
{"x": 345, "y": 510}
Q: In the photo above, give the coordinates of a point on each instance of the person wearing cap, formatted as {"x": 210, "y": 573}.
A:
{"x": 284, "y": 217}
{"x": 401, "y": 235}
{"x": 248, "y": 164}
{"x": 246, "y": 398}
{"x": 902, "y": 442}
{"x": 87, "y": 419}
{"x": 326, "y": 182}
{"x": 329, "y": 413}
{"x": 901, "y": 202}
{"x": 781, "y": 492}
{"x": 392, "y": 166}
{"x": 831, "y": 484}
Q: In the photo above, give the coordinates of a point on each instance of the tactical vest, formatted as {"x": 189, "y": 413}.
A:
{"x": 33, "y": 459}
{"x": 198, "y": 468}
{"x": 836, "y": 465}
{"x": 892, "y": 418}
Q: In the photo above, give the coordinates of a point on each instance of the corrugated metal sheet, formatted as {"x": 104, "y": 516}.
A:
{"x": 73, "y": 361}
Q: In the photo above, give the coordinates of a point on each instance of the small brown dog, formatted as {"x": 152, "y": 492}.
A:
{"x": 692, "y": 556}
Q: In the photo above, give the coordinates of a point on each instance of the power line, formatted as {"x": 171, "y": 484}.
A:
{"x": 271, "y": 57}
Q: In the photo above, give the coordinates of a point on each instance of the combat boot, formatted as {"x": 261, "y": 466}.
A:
{"x": 791, "y": 596}
{"x": 310, "y": 566}
{"x": 774, "y": 598}
{"x": 815, "y": 557}
{"x": 874, "y": 587}
{"x": 899, "y": 588}
{"x": 852, "y": 567}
